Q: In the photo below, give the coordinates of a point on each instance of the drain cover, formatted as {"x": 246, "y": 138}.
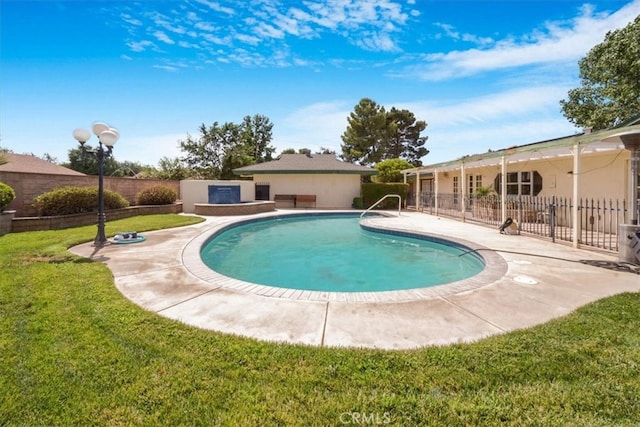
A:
{"x": 525, "y": 280}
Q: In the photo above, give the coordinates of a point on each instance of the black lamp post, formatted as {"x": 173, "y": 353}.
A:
{"x": 107, "y": 137}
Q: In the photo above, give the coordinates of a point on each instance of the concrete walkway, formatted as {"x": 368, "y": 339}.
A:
{"x": 529, "y": 282}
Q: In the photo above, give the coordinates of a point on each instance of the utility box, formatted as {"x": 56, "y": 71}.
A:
{"x": 629, "y": 243}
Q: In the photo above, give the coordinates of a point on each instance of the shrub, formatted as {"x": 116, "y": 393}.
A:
{"x": 6, "y": 195}
{"x": 158, "y": 195}
{"x": 390, "y": 170}
{"x": 74, "y": 200}
{"x": 372, "y": 192}
{"x": 357, "y": 203}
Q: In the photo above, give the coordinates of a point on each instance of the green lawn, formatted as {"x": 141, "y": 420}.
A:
{"x": 74, "y": 351}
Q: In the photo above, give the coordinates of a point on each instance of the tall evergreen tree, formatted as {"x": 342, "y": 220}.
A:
{"x": 364, "y": 138}
{"x": 404, "y": 140}
{"x": 374, "y": 134}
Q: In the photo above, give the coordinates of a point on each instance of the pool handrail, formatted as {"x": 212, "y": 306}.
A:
{"x": 384, "y": 197}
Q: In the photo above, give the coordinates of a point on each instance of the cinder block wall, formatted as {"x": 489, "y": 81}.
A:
{"x": 28, "y": 186}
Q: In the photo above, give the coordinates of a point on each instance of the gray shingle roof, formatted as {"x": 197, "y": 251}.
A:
{"x": 301, "y": 163}
{"x": 31, "y": 164}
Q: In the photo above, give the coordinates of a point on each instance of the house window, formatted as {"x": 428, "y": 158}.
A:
{"x": 522, "y": 183}
{"x": 456, "y": 189}
{"x": 475, "y": 182}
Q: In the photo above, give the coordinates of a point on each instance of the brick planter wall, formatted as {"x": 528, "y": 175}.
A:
{"x": 249, "y": 208}
{"x": 5, "y": 221}
{"x": 67, "y": 221}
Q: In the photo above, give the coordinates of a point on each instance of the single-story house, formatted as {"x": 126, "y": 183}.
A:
{"x": 333, "y": 184}
{"x": 578, "y": 168}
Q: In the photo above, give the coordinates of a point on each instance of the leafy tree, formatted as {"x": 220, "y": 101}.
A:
{"x": 322, "y": 150}
{"x": 206, "y": 154}
{"x": 236, "y": 157}
{"x": 390, "y": 170}
{"x": 325, "y": 150}
{"x": 88, "y": 163}
{"x": 373, "y": 135}
{"x": 610, "y": 76}
{"x": 220, "y": 149}
{"x": 256, "y": 134}
{"x": 128, "y": 168}
{"x": 168, "y": 168}
{"x": 404, "y": 137}
{"x": 49, "y": 158}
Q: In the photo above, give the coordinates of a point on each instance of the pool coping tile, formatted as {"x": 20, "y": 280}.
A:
{"x": 493, "y": 302}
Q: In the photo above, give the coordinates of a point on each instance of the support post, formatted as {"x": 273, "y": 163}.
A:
{"x": 575, "y": 214}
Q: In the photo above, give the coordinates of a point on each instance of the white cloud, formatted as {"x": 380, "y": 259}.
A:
{"x": 161, "y": 36}
{"x": 265, "y": 27}
{"x": 379, "y": 41}
{"x": 266, "y": 30}
{"x": 223, "y": 41}
{"x": 450, "y": 32}
{"x": 170, "y": 68}
{"x": 555, "y": 42}
{"x": 204, "y": 26}
{"x": 130, "y": 20}
{"x": 215, "y": 6}
{"x": 140, "y": 46}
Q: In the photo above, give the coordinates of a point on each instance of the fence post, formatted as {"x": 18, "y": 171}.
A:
{"x": 552, "y": 219}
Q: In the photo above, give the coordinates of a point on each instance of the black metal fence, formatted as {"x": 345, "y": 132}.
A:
{"x": 551, "y": 217}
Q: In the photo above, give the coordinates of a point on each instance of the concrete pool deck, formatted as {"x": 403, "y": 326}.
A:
{"x": 540, "y": 281}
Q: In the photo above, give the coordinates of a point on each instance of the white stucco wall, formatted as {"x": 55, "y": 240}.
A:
{"x": 602, "y": 175}
{"x": 333, "y": 191}
{"x": 197, "y": 191}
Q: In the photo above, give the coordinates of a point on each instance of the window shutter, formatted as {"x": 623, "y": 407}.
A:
{"x": 496, "y": 184}
{"x": 537, "y": 183}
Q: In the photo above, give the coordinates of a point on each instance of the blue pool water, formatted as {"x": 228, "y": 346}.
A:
{"x": 333, "y": 253}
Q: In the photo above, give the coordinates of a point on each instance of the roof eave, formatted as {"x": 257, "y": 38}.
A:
{"x": 305, "y": 172}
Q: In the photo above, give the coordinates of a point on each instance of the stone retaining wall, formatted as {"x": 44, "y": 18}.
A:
{"x": 67, "y": 221}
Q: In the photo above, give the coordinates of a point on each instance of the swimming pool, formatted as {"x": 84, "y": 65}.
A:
{"x": 333, "y": 253}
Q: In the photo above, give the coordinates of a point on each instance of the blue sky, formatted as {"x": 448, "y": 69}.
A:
{"x": 482, "y": 74}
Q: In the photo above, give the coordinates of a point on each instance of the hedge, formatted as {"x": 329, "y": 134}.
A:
{"x": 374, "y": 191}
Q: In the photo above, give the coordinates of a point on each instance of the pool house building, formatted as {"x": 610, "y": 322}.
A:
{"x": 307, "y": 180}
